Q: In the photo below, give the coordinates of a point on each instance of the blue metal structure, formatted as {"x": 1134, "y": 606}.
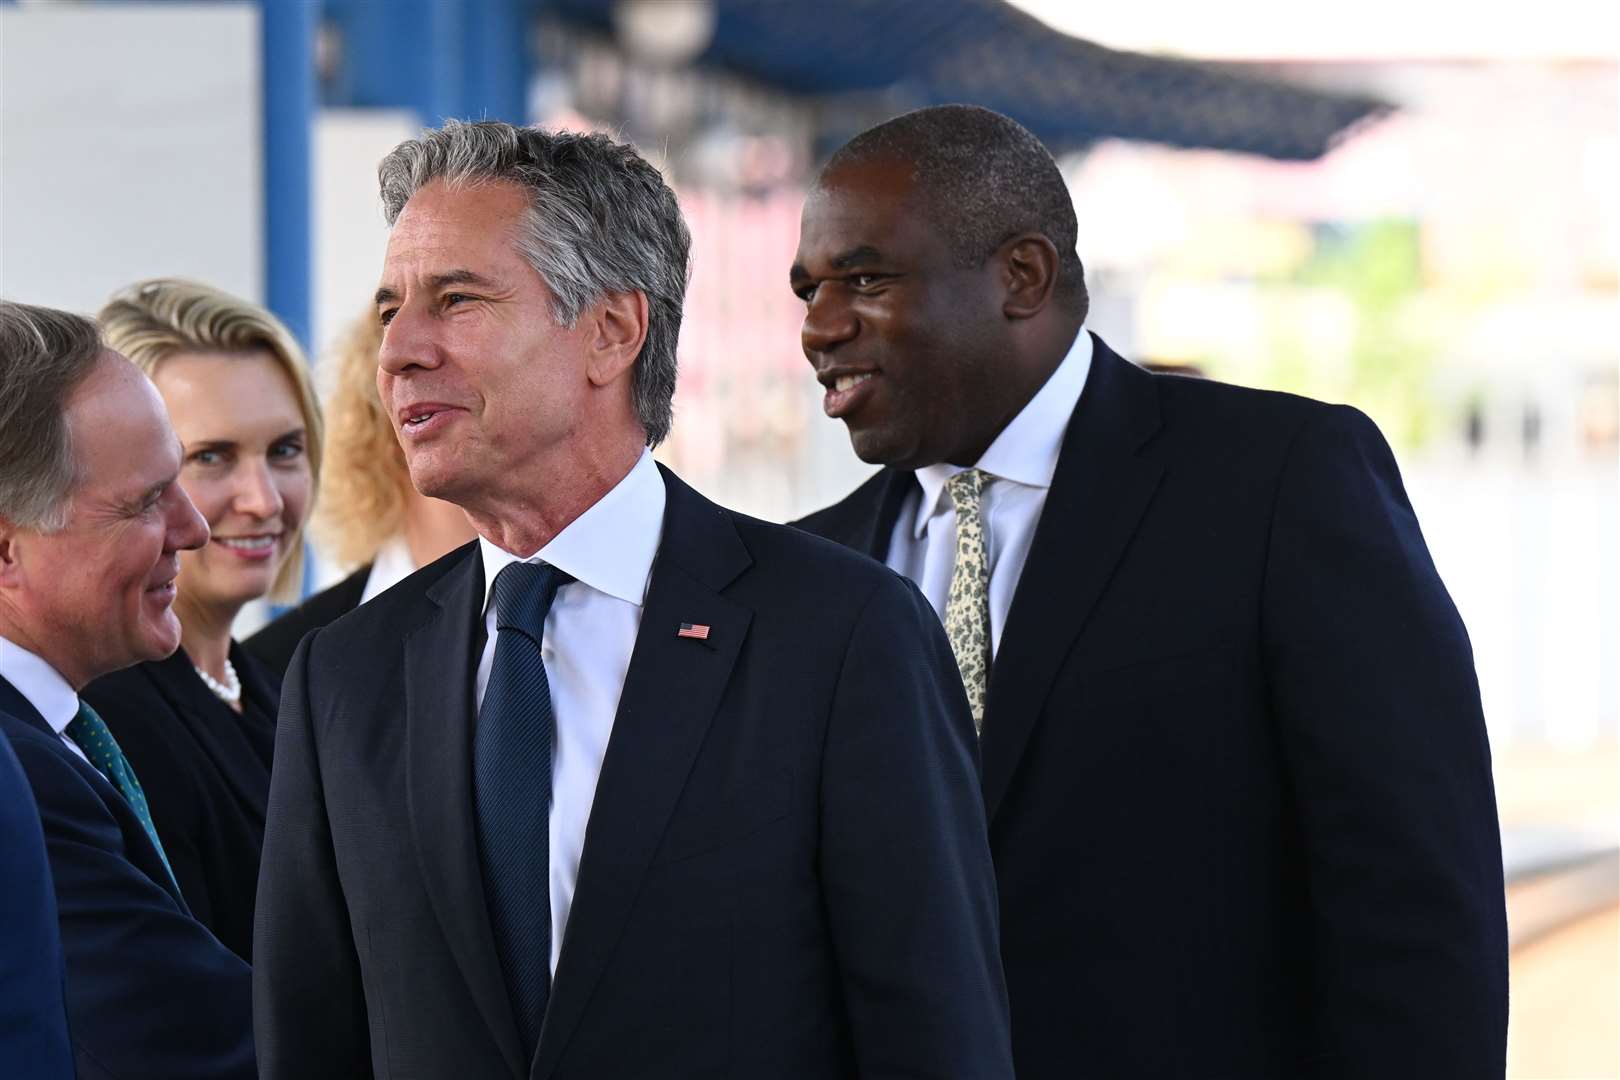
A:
{"x": 986, "y": 52}
{"x": 288, "y": 43}
{"x": 444, "y": 59}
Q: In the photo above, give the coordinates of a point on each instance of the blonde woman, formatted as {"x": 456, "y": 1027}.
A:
{"x": 199, "y": 726}
{"x": 370, "y": 516}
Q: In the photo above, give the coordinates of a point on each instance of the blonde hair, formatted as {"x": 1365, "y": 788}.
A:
{"x": 363, "y": 495}
{"x": 151, "y": 321}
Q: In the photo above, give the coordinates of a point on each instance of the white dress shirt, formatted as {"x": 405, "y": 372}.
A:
{"x": 1019, "y": 467}
{"x": 589, "y": 635}
{"x": 44, "y": 688}
{"x": 392, "y": 565}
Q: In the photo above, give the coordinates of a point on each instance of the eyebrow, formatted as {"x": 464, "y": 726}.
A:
{"x": 864, "y": 255}
{"x": 438, "y": 281}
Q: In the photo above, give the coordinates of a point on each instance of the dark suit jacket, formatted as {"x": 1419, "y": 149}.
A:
{"x": 273, "y": 645}
{"x": 33, "y": 1012}
{"x": 785, "y": 872}
{"x": 1239, "y": 790}
{"x": 206, "y": 774}
{"x": 150, "y": 992}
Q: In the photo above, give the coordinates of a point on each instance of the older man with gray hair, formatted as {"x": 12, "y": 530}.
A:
{"x": 91, "y": 521}
{"x": 632, "y": 786}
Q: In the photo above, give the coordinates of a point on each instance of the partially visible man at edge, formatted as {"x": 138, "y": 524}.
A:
{"x": 91, "y": 521}
{"x": 1235, "y": 767}
{"x": 784, "y": 872}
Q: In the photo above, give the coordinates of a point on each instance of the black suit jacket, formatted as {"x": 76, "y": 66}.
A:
{"x": 785, "y": 872}
{"x": 1236, "y": 771}
{"x": 151, "y": 994}
{"x": 206, "y": 774}
{"x": 33, "y": 1012}
{"x": 275, "y": 642}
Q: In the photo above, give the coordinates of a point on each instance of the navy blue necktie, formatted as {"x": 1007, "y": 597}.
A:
{"x": 512, "y": 790}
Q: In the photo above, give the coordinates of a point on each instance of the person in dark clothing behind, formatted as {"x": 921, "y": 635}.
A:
{"x": 33, "y": 1008}
{"x": 200, "y": 725}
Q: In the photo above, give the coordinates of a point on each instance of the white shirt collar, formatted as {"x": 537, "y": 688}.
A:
{"x": 40, "y": 683}
{"x": 391, "y": 565}
{"x": 1026, "y": 451}
{"x": 610, "y": 547}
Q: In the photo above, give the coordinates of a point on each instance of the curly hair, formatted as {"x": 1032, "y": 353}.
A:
{"x": 366, "y": 484}
{"x": 153, "y": 320}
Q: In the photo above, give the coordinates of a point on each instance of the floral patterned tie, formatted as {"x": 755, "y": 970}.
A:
{"x": 89, "y": 731}
{"x": 967, "y": 610}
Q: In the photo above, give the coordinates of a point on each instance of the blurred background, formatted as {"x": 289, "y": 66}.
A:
{"x": 1407, "y": 206}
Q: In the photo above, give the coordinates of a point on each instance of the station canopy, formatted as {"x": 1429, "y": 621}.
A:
{"x": 1069, "y": 91}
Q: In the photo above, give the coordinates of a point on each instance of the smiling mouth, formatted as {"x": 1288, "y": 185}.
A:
{"x": 846, "y": 392}
{"x": 247, "y": 543}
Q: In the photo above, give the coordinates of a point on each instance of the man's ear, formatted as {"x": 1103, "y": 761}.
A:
{"x": 619, "y": 323}
{"x": 1029, "y": 267}
{"x": 10, "y": 567}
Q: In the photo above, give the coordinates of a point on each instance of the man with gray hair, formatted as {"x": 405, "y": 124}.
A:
{"x": 632, "y": 785}
{"x": 91, "y": 524}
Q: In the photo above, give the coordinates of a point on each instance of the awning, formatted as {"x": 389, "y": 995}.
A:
{"x": 1068, "y": 91}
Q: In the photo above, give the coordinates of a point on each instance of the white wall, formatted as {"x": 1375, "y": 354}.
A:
{"x": 350, "y": 237}
{"x": 130, "y": 147}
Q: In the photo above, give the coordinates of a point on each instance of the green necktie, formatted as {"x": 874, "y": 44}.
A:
{"x": 90, "y": 732}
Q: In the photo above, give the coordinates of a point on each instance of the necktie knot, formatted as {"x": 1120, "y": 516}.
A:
{"x": 965, "y": 488}
{"x": 524, "y": 593}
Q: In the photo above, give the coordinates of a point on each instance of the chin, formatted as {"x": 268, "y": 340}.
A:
{"x": 878, "y": 446}
{"x": 160, "y": 641}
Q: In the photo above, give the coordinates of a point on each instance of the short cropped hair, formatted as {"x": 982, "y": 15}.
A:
{"x": 366, "y": 483}
{"x": 150, "y": 321}
{"x": 601, "y": 220}
{"x": 984, "y": 178}
{"x": 44, "y": 355}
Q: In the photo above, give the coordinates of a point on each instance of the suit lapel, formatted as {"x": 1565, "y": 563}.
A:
{"x": 1099, "y": 492}
{"x": 670, "y": 694}
{"x": 136, "y": 842}
{"x": 439, "y": 725}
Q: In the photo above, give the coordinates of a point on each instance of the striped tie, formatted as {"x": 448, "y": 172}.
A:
{"x": 90, "y": 732}
{"x": 512, "y": 790}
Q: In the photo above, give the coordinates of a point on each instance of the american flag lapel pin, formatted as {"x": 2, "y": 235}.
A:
{"x": 695, "y": 630}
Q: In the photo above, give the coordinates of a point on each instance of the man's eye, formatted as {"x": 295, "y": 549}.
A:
{"x": 865, "y": 281}
{"x": 207, "y": 457}
{"x": 386, "y": 317}
{"x": 456, "y": 298}
{"x": 806, "y": 293}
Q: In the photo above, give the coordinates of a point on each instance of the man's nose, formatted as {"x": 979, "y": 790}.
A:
{"x": 187, "y": 529}
{"x": 828, "y": 322}
{"x": 407, "y": 342}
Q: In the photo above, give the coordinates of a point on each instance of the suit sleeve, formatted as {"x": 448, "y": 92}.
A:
{"x": 1377, "y": 704}
{"x": 905, "y": 864}
{"x": 33, "y": 1010}
{"x": 309, "y": 1012}
{"x": 150, "y": 992}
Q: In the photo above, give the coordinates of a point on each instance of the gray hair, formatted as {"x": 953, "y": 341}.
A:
{"x": 600, "y": 220}
{"x": 44, "y": 355}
